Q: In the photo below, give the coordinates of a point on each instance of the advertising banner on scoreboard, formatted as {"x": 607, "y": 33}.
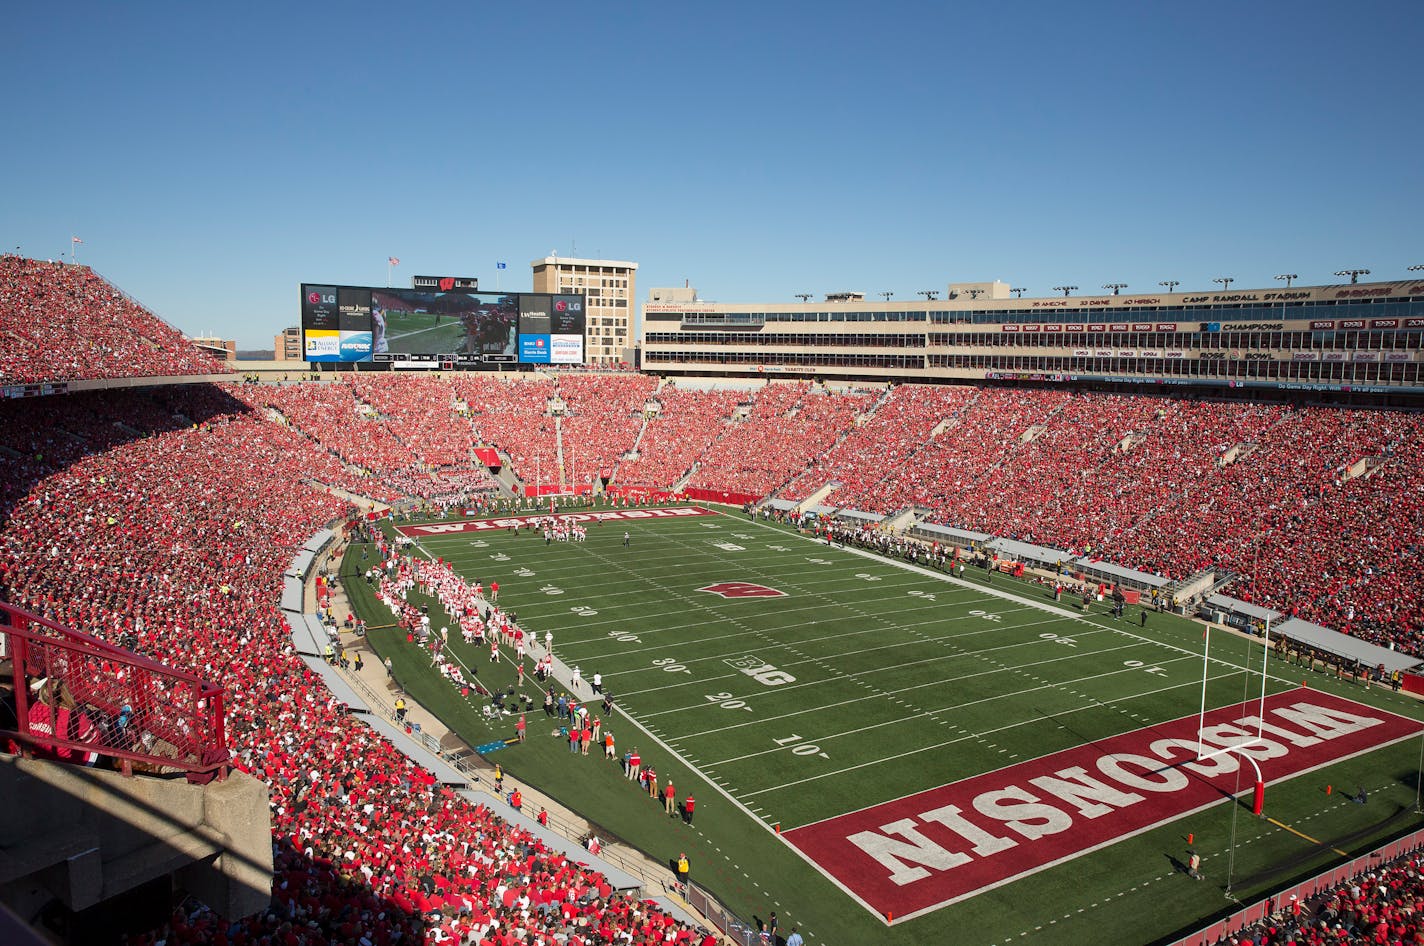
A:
{"x": 319, "y": 307}
{"x": 566, "y": 349}
{"x": 365, "y": 324}
{"x": 533, "y": 349}
{"x": 322, "y": 344}
{"x": 534, "y": 314}
{"x": 567, "y": 315}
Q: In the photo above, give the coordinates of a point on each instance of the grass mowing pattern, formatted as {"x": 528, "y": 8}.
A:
{"x": 903, "y": 681}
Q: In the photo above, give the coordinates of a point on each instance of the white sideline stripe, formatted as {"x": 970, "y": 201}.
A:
{"x": 1009, "y": 596}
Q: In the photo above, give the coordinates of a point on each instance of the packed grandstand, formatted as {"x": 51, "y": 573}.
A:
{"x": 164, "y": 518}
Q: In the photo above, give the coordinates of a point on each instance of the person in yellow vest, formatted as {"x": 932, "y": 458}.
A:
{"x": 400, "y": 708}
{"x": 683, "y": 867}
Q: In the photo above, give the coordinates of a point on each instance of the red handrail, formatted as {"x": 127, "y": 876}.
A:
{"x": 125, "y": 707}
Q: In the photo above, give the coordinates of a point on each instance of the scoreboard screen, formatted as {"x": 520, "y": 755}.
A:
{"x": 369, "y": 324}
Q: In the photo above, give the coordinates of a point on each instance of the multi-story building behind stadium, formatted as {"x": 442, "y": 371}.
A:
{"x": 609, "y": 289}
{"x": 1354, "y": 339}
{"x": 223, "y": 349}
{"x": 287, "y": 344}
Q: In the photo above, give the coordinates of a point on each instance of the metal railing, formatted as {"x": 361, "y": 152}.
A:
{"x": 1278, "y": 906}
{"x": 79, "y": 699}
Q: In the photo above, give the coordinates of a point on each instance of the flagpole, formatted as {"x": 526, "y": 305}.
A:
{"x": 388, "y": 272}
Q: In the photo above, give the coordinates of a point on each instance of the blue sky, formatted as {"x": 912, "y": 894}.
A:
{"x": 213, "y": 156}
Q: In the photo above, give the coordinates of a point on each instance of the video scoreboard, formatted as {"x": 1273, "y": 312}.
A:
{"x": 427, "y": 327}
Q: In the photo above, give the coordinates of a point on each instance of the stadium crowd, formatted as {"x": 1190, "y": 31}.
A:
{"x": 603, "y": 416}
{"x": 174, "y": 530}
{"x": 1384, "y": 905}
{"x": 420, "y": 412}
{"x": 685, "y": 424}
{"x": 164, "y": 520}
{"x": 61, "y": 322}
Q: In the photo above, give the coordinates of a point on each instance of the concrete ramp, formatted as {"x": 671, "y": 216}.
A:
{"x": 817, "y": 498}
{"x": 1363, "y": 467}
{"x": 1238, "y": 452}
{"x": 904, "y": 519}
{"x": 1033, "y": 433}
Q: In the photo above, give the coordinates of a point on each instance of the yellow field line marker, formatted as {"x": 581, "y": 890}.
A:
{"x": 1305, "y": 836}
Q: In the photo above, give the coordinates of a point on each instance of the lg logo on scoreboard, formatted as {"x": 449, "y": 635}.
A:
{"x": 565, "y": 306}
{"x": 321, "y": 298}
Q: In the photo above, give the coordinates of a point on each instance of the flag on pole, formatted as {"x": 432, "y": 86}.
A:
{"x": 500, "y": 266}
{"x": 393, "y": 260}
{"x": 75, "y": 239}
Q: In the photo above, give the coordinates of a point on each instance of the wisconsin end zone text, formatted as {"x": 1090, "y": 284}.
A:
{"x": 925, "y": 851}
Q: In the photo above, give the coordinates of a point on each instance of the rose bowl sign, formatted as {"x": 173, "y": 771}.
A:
{"x": 907, "y": 857}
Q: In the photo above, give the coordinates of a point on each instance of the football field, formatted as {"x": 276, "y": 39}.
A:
{"x": 417, "y": 332}
{"x": 882, "y": 751}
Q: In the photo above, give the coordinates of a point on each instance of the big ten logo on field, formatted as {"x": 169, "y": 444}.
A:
{"x": 760, "y": 671}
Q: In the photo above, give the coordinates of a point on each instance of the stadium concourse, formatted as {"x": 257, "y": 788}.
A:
{"x": 165, "y": 518}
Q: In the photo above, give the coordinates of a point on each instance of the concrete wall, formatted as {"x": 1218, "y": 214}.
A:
{"x": 84, "y": 835}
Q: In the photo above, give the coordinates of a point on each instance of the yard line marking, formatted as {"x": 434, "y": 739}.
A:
{"x": 825, "y": 706}
{"x": 1007, "y": 596}
{"x": 733, "y": 676}
{"x": 941, "y": 745}
{"x": 957, "y": 706}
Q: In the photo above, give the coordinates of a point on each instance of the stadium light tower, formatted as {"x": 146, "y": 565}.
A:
{"x": 1413, "y": 269}
{"x": 975, "y": 293}
{"x": 1018, "y": 292}
{"x": 804, "y": 296}
{"x": 1225, "y": 281}
{"x": 886, "y": 295}
{"x": 1064, "y": 289}
{"x": 1289, "y": 278}
{"x": 1116, "y": 287}
{"x": 1354, "y": 274}
{"x": 929, "y": 294}
{"x": 1170, "y": 284}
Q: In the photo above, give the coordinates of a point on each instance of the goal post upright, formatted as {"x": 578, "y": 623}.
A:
{"x": 1258, "y": 796}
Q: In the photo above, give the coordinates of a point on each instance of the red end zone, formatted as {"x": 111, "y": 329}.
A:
{"x": 928, "y": 850}
{"x": 505, "y": 522}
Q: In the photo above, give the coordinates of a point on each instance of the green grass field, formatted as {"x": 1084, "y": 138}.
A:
{"x": 412, "y": 332}
{"x": 867, "y": 681}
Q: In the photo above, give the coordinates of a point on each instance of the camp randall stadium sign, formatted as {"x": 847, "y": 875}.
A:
{"x": 907, "y": 857}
